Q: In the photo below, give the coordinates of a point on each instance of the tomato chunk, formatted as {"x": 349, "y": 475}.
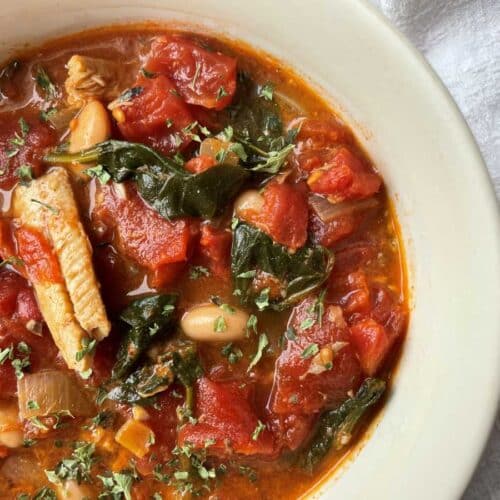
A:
{"x": 202, "y": 77}
{"x": 328, "y": 233}
{"x": 318, "y": 366}
{"x": 155, "y": 116}
{"x": 200, "y": 163}
{"x": 38, "y": 256}
{"x": 291, "y": 431}
{"x": 225, "y": 415}
{"x": 18, "y": 149}
{"x": 215, "y": 248}
{"x": 284, "y": 215}
{"x": 345, "y": 177}
{"x": 145, "y": 236}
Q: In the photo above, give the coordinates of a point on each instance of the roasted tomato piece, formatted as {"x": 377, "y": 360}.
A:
{"x": 345, "y": 177}
{"x": 22, "y": 145}
{"x": 291, "y": 431}
{"x": 328, "y": 233}
{"x": 7, "y": 247}
{"x": 215, "y": 249}
{"x": 284, "y": 214}
{"x": 155, "y": 114}
{"x": 38, "y": 256}
{"x": 226, "y": 417}
{"x": 318, "y": 366}
{"x": 200, "y": 163}
{"x": 202, "y": 77}
{"x": 144, "y": 235}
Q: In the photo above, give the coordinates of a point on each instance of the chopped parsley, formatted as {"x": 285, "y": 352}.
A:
{"x": 25, "y": 174}
{"x": 19, "y": 363}
{"x": 258, "y": 429}
{"x": 130, "y": 94}
{"x": 221, "y": 93}
{"x": 227, "y": 308}
{"x": 310, "y": 351}
{"x": 220, "y": 324}
{"x": 88, "y": 346}
{"x": 98, "y": 172}
{"x": 307, "y": 323}
{"x": 19, "y": 139}
{"x": 147, "y": 74}
{"x": 45, "y": 83}
{"x": 262, "y": 300}
{"x": 118, "y": 484}
{"x": 266, "y": 91}
{"x": 32, "y": 405}
{"x": 46, "y": 115}
{"x": 232, "y": 353}
{"x": 45, "y": 205}
{"x": 252, "y": 324}
{"x": 197, "y": 272}
{"x": 77, "y": 467}
{"x": 263, "y": 343}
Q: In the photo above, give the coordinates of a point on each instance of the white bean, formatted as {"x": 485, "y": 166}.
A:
{"x": 250, "y": 200}
{"x": 91, "y": 126}
{"x": 211, "y": 323}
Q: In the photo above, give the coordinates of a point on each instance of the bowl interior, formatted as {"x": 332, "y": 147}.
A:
{"x": 445, "y": 204}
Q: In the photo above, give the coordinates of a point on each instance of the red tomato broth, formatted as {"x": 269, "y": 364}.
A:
{"x": 369, "y": 245}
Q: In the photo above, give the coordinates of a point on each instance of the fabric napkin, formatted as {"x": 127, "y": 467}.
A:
{"x": 461, "y": 40}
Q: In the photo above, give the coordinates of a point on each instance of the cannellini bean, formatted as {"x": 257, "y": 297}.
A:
{"x": 71, "y": 490}
{"x": 248, "y": 201}
{"x": 212, "y": 323}
{"x": 211, "y": 146}
{"x": 11, "y": 433}
{"x": 91, "y": 126}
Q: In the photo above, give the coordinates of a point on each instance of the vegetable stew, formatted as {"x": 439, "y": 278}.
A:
{"x": 202, "y": 289}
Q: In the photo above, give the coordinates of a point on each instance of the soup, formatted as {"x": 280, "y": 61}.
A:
{"x": 202, "y": 288}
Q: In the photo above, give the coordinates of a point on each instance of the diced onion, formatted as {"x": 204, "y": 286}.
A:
{"x": 327, "y": 211}
{"x": 49, "y": 392}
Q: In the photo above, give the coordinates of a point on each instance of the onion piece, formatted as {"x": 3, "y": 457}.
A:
{"x": 50, "y": 392}
{"x": 327, "y": 211}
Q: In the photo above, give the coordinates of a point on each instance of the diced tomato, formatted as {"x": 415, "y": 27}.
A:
{"x": 371, "y": 342}
{"x": 10, "y": 284}
{"x": 7, "y": 247}
{"x": 225, "y": 415}
{"x": 298, "y": 388}
{"x": 344, "y": 178}
{"x": 27, "y": 306}
{"x": 200, "y": 163}
{"x": 315, "y": 134}
{"x": 387, "y": 311}
{"x": 354, "y": 293}
{"x": 156, "y": 115}
{"x": 352, "y": 257}
{"x": 202, "y": 77}
{"x": 291, "y": 431}
{"x": 38, "y": 256}
{"x": 284, "y": 215}
{"x": 215, "y": 248}
{"x": 144, "y": 235}
{"x": 29, "y": 149}
{"x": 328, "y": 233}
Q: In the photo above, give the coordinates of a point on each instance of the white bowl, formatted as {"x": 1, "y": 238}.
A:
{"x": 445, "y": 395}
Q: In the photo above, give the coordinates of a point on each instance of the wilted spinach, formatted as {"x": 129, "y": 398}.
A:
{"x": 147, "y": 317}
{"x": 335, "y": 427}
{"x": 162, "y": 182}
{"x": 299, "y": 273}
{"x": 179, "y": 362}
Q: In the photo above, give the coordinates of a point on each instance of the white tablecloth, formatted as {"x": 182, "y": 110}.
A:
{"x": 461, "y": 40}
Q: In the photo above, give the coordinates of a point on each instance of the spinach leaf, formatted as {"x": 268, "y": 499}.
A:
{"x": 147, "y": 317}
{"x": 161, "y": 181}
{"x": 335, "y": 427}
{"x": 198, "y": 195}
{"x": 299, "y": 273}
{"x": 180, "y": 362}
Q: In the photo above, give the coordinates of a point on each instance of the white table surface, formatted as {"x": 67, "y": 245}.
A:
{"x": 461, "y": 40}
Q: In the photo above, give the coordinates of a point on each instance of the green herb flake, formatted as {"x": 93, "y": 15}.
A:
{"x": 47, "y": 114}
{"x": 221, "y": 93}
{"x": 262, "y": 345}
{"x": 88, "y": 346}
{"x": 310, "y": 351}
{"x": 147, "y": 74}
{"x": 32, "y": 405}
{"x": 86, "y": 374}
{"x": 130, "y": 94}
{"x": 220, "y": 324}
{"x": 238, "y": 150}
{"x": 98, "y": 172}
{"x": 307, "y": 323}
{"x": 45, "y": 205}
{"x": 227, "y": 308}
{"x": 258, "y": 429}
{"x": 25, "y": 174}
{"x": 232, "y": 353}
{"x": 247, "y": 274}
{"x": 197, "y": 272}
{"x": 118, "y": 485}
{"x": 266, "y": 91}
{"x": 28, "y": 443}
{"x": 262, "y": 300}
{"x": 252, "y": 324}
{"x": 45, "y": 83}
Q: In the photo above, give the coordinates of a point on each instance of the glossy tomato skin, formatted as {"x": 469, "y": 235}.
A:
{"x": 290, "y": 431}
{"x": 156, "y": 115}
{"x": 215, "y": 249}
{"x": 159, "y": 245}
{"x": 38, "y": 256}
{"x": 29, "y": 151}
{"x": 284, "y": 215}
{"x": 345, "y": 177}
{"x": 296, "y": 390}
{"x": 199, "y": 164}
{"x": 198, "y": 74}
{"x": 225, "y": 414}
